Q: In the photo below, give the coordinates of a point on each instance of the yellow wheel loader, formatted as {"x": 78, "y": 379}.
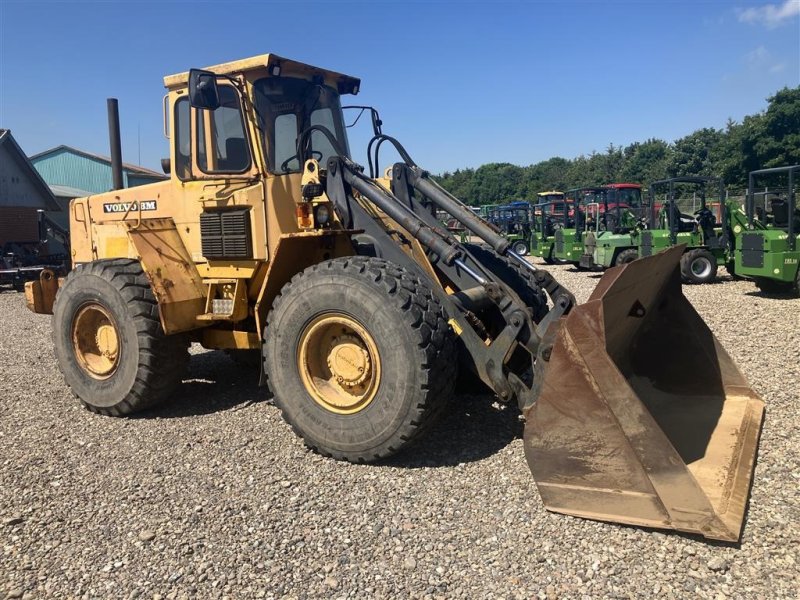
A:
{"x": 269, "y": 238}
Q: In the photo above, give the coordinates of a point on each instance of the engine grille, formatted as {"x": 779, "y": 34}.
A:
{"x": 226, "y": 234}
{"x": 752, "y": 250}
{"x": 647, "y": 244}
{"x": 590, "y": 244}
{"x": 559, "y": 241}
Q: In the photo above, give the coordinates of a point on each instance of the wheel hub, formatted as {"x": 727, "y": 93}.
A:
{"x": 701, "y": 267}
{"x": 107, "y": 341}
{"x": 338, "y": 363}
{"x": 95, "y": 340}
{"x": 348, "y": 360}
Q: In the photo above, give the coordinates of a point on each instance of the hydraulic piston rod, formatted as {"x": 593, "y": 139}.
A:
{"x": 419, "y": 180}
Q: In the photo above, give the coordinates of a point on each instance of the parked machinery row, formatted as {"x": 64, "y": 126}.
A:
{"x": 27, "y": 258}
{"x": 594, "y": 228}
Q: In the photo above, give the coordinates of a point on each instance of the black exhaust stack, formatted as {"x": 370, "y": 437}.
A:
{"x": 114, "y": 140}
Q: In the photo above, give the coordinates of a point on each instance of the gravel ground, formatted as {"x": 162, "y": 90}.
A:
{"x": 213, "y": 496}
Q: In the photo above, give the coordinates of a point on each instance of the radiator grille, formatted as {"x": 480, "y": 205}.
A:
{"x": 226, "y": 234}
{"x": 752, "y": 250}
{"x": 647, "y": 244}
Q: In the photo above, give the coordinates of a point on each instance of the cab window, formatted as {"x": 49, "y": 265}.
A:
{"x": 221, "y": 141}
{"x": 288, "y": 106}
{"x": 183, "y": 146}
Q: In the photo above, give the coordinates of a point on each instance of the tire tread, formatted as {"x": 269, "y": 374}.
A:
{"x": 163, "y": 359}
{"x": 435, "y": 346}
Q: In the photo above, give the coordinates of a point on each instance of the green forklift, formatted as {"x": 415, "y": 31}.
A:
{"x": 546, "y": 220}
{"x": 619, "y": 219}
{"x": 767, "y": 248}
{"x": 707, "y": 233}
{"x": 576, "y": 221}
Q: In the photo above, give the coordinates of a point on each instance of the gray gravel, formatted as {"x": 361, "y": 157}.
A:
{"x": 212, "y": 495}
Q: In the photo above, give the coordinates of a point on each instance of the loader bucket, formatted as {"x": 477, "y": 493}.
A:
{"x": 642, "y": 417}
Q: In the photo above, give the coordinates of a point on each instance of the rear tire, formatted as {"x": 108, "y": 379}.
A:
{"x": 698, "y": 266}
{"x": 626, "y": 256}
{"x": 777, "y": 288}
{"x": 550, "y": 259}
{"x": 359, "y": 356}
{"x": 520, "y": 247}
{"x": 108, "y": 339}
{"x": 730, "y": 267}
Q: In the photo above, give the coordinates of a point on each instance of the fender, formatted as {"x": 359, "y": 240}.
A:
{"x": 174, "y": 279}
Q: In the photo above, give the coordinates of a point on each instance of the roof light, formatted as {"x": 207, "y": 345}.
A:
{"x": 275, "y": 70}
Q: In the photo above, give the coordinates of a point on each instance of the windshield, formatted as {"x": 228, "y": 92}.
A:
{"x": 630, "y": 197}
{"x": 545, "y": 198}
{"x": 288, "y": 106}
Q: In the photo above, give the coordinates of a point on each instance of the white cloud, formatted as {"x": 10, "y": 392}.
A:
{"x": 770, "y": 15}
{"x": 760, "y": 59}
{"x": 757, "y": 57}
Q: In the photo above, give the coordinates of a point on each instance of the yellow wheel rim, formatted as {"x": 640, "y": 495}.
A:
{"x": 95, "y": 341}
{"x": 339, "y": 363}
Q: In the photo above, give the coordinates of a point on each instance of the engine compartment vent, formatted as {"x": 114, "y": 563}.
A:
{"x": 226, "y": 234}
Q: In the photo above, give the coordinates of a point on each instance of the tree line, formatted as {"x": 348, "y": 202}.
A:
{"x": 770, "y": 138}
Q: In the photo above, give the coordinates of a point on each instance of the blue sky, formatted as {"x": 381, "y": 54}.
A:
{"x": 460, "y": 83}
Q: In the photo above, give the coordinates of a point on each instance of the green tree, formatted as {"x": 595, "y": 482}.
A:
{"x": 646, "y": 161}
{"x": 779, "y": 141}
{"x": 698, "y": 153}
{"x": 767, "y": 139}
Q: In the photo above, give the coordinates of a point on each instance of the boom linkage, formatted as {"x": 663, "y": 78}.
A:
{"x": 476, "y": 287}
{"x": 420, "y": 181}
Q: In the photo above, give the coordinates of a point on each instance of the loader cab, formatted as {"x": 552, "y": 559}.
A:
{"x": 553, "y": 197}
{"x": 547, "y": 218}
{"x": 704, "y": 196}
{"x": 578, "y": 200}
{"x": 245, "y": 117}
{"x": 621, "y": 207}
{"x": 513, "y": 218}
{"x": 773, "y": 209}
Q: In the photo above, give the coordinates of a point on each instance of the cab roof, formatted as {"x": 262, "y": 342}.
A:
{"x": 268, "y": 62}
{"x": 620, "y": 186}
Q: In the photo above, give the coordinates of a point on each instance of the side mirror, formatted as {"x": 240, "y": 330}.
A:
{"x": 203, "y": 92}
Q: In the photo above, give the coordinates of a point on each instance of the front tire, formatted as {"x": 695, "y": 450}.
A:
{"x": 698, "y": 266}
{"x": 520, "y": 247}
{"x": 626, "y": 256}
{"x": 359, "y": 356}
{"x": 549, "y": 259}
{"x": 779, "y": 288}
{"x": 108, "y": 339}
